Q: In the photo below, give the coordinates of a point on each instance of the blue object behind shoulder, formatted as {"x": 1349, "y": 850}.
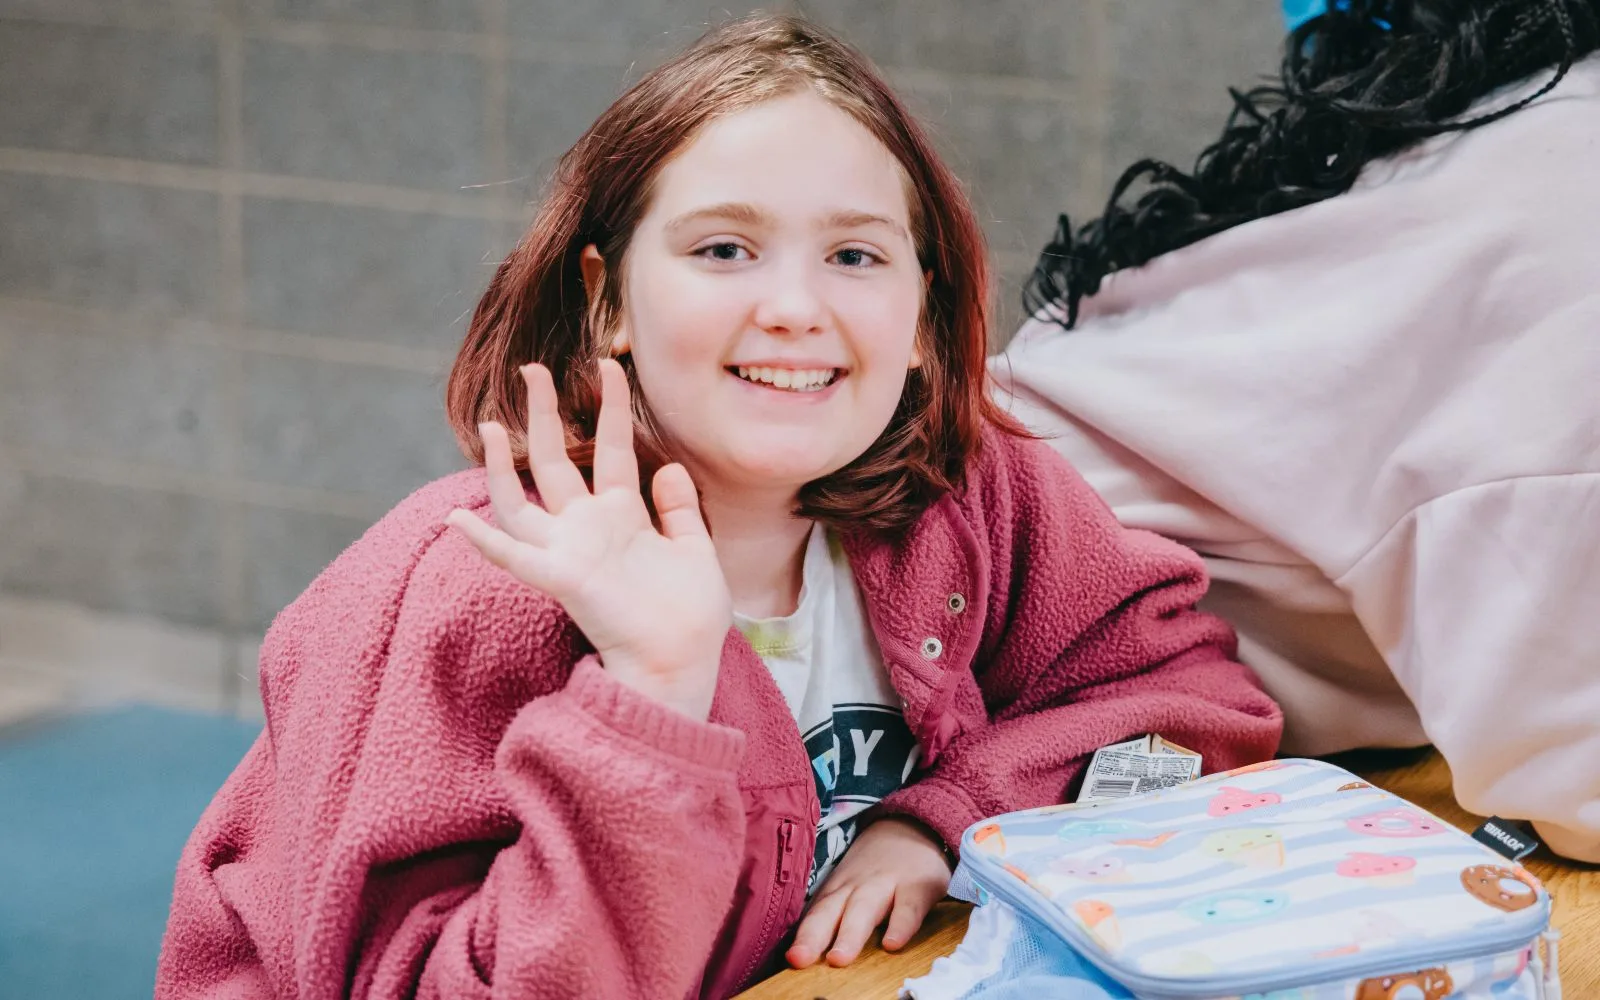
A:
{"x": 1298, "y": 12}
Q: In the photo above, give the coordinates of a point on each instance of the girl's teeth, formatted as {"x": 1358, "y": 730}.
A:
{"x": 788, "y": 378}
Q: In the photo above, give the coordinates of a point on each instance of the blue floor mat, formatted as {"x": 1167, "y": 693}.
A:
{"x": 94, "y": 811}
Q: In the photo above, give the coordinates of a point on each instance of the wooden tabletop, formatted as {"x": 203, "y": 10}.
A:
{"x": 1420, "y": 776}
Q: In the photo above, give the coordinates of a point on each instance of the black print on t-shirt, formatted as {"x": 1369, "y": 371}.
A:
{"x": 858, "y": 756}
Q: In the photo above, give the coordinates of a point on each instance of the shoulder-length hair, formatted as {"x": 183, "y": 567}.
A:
{"x": 536, "y": 308}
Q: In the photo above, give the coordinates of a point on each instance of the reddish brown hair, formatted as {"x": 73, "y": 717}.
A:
{"x": 536, "y": 307}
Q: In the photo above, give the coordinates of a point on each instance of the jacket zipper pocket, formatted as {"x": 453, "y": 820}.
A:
{"x": 785, "y": 849}
{"x": 775, "y": 900}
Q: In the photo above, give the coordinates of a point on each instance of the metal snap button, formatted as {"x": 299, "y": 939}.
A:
{"x": 956, "y": 603}
{"x": 931, "y": 648}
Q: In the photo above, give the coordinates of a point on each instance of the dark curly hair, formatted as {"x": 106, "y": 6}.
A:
{"x": 1366, "y": 79}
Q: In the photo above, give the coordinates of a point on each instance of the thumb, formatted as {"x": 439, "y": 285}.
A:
{"x": 677, "y": 503}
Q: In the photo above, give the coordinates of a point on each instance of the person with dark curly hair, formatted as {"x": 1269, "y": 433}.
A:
{"x": 1353, "y": 357}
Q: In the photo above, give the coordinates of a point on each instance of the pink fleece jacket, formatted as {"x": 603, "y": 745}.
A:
{"x": 452, "y": 800}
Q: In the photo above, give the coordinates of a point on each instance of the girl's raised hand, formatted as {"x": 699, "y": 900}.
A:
{"x": 653, "y": 603}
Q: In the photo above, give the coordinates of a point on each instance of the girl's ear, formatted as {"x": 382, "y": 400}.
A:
{"x": 916, "y": 345}
{"x": 593, "y": 267}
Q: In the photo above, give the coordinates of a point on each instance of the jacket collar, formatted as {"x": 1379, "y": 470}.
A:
{"x": 925, "y": 593}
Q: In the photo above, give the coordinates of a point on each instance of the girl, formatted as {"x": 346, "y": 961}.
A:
{"x": 1376, "y": 416}
{"x": 616, "y": 758}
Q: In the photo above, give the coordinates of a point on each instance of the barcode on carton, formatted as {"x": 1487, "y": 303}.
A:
{"x": 1112, "y": 788}
{"x": 1134, "y": 767}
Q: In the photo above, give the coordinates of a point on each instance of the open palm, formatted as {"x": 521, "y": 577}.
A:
{"x": 652, "y": 602}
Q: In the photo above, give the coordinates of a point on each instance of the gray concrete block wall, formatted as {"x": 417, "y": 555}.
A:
{"x": 239, "y": 238}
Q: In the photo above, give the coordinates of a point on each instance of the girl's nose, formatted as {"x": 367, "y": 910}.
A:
{"x": 790, "y": 303}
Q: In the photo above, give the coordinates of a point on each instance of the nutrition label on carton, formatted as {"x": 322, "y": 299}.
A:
{"x": 1136, "y": 766}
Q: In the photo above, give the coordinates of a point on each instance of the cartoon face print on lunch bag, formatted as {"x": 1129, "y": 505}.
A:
{"x": 991, "y": 839}
{"x": 1396, "y": 823}
{"x": 1505, "y": 889}
{"x": 1099, "y": 918}
{"x": 1378, "y": 869}
{"x": 1106, "y": 869}
{"x": 1252, "y": 847}
{"x": 1089, "y": 829}
{"x": 1230, "y": 800}
{"x": 1424, "y": 984}
{"x": 1235, "y": 907}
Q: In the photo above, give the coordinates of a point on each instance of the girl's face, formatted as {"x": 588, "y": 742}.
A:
{"x": 772, "y": 294}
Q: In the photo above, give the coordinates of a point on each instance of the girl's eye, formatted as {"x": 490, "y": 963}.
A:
{"x": 723, "y": 252}
{"x": 855, "y": 257}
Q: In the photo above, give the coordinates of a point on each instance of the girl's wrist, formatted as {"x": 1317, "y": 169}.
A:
{"x": 687, "y": 689}
{"x": 622, "y": 708}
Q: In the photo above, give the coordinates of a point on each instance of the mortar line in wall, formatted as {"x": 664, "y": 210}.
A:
{"x": 342, "y": 351}
{"x": 79, "y": 652}
{"x": 372, "y": 37}
{"x": 311, "y": 33}
{"x": 215, "y": 180}
{"x": 102, "y": 470}
{"x": 75, "y": 320}
{"x": 2, "y": 438}
{"x": 389, "y": 38}
{"x": 232, "y": 558}
{"x": 1013, "y": 261}
{"x": 1026, "y": 88}
{"x": 571, "y": 51}
{"x": 1092, "y": 183}
{"x": 492, "y": 204}
{"x": 196, "y": 19}
{"x": 497, "y": 91}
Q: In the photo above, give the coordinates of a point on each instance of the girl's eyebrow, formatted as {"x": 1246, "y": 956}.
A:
{"x": 849, "y": 219}
{"x": 731, "y": 211}
{"x": 750, "y": 215}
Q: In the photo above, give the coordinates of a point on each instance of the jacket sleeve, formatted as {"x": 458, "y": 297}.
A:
{"x": 419, "y": 819}
{"x": 1485, "y": 603}
{"x": 1091, "y": 638}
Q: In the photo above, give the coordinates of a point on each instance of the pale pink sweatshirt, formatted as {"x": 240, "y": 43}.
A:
{"x": 451, "y": 800}
{"x": 1378, "y": 418}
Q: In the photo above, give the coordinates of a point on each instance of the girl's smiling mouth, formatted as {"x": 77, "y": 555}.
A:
{"x": 786, "y": 378}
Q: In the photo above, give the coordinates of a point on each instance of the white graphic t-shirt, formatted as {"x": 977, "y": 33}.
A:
{"x": 826, "y": 662}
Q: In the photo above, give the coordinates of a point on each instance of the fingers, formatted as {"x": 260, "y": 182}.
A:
{"x": 677, "y": 503}
{"x": 868, "y": 905}
{"x": 506, "y": 497}
{"x": 817, "y": 929}
{"x": 615, "y": 465}
{"x": 523, "y": 561}
{"x": 559, "y": 481}
{"x": 910, "y": 909}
